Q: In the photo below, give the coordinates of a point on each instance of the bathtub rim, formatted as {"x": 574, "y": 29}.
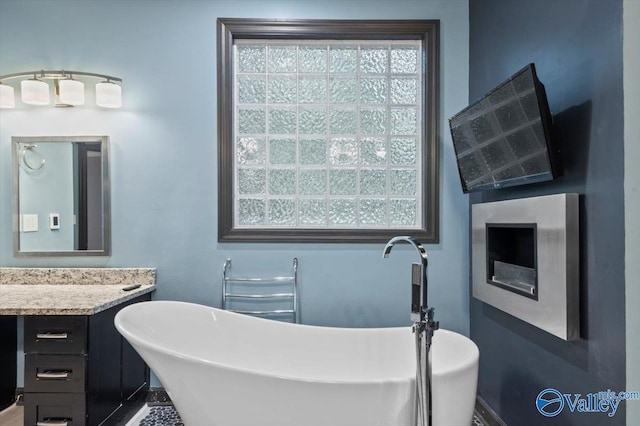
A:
{"x": 468, "y": 362}
{"x": 148, "y": 344}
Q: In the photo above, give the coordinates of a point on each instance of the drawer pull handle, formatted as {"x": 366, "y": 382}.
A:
{"x": 53, "y": 423}
{"x": 60, "y": 336}
{"x": 55, "y": 375}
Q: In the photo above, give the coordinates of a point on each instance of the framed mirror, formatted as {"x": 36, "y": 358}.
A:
{"x": 61, "y": 199}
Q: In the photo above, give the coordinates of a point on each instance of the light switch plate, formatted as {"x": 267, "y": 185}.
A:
{"x": 29, "y": 223}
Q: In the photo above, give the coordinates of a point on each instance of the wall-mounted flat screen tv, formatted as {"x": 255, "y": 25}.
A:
{"x": 505, "y": 138}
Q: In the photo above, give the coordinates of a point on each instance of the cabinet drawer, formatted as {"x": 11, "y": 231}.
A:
{"x": 55, "y": 334}
{"x": 59, "y": 409}
{"x": 54, "y": 373}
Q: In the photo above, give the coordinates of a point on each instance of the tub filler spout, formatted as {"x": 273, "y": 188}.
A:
{"x": 424, "y": 327}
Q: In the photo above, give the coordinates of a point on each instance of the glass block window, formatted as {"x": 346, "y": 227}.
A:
{"x": 326, "y": 138}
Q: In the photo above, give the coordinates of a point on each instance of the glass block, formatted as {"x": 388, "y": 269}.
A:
{"x": 313, "y": 59}
{"x": 342, "y": 181}
{"x": 343, "y": 151}
{"x": 282, "y": 211}
{"x": 373, "y": 182}
{"x": 282, "y": 59}
{"x": 523, "y": 82}
{"x": 343, "y": 90}
{"x": 403, "y": 151}
{"x": 312, "y": 182}
{"x": 251, "y": 58}
{"x": 282, "y": 181}
{"x": 250, "y": 151}
{"x": 251, "y": 211}
{"x": 312, "y": 151}
{"x": 251, "y": 181}
{"x": 313, "y": 212}
{"x": 404, "y": 60}
{"x": 510, "y": 173}
{"x": 251, "y": 120}
{"x": 402, "y": 182}
{"x": 463, "y": 138}
{"x": 471, "y": 167}
{"x": 373, "y": 121}
{"x": 282, "y": 151}
{"x": 538, "y": 130}
{"x": 484, "y": 127}
{"x": 404, "y": 121}
{"x": 312, "y": 121}
{"x": 373, "y": 151}
{"x": 373, "y": 90}
{"x": 510, "y": 115}
{"x": 282, "y": 120}
{"x": 251, "y": 89}
{"x": 530, "y": 106}
{"x": 343, "y": 121}
{"x": 523, "y": 142}
{"x": 312, "y": 90}
{"x": 502, "y": 94}
{"x": 374, "y": 60}
{"x": 403, "y": 213}
{"x": 342, "y": 212}
{"x": 373, "y": 212}
{"x": 537, "y": 164}
{"x": 496, "y": 154}
{"x": 343, "y": 59}
{"x": 404, "y": 91}
{"x": 282, "y": 90}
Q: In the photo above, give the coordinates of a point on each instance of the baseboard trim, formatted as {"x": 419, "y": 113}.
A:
{"x": 486, "y": 413}
{"x": 19, "y": 396}
{"x": 158, "y": 396}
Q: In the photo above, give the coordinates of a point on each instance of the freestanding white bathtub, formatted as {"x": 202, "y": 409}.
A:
{"x": 223, "y": 368}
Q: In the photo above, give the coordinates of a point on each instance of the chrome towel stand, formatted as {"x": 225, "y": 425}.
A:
{"x": 237, "y": 287}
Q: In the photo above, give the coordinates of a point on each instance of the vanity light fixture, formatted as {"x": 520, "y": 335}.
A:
{"x": 7, "y": 98}
{"x": 67, "y": 90}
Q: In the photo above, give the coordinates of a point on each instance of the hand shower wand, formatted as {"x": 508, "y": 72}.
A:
{"x": 423, "y": 327}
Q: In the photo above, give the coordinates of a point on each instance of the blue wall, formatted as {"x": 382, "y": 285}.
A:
{"x": 577, "y": 48}
{"x": 163, "y": 152}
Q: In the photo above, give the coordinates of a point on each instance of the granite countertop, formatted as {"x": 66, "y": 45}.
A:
{"x": 55, "y": 299}
{"x": 69, "y": 291}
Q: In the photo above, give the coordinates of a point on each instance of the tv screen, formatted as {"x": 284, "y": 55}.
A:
{"x": 504, "y": 139}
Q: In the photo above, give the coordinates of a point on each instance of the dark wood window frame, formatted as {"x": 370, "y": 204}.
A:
{"x": 427, "y": 31}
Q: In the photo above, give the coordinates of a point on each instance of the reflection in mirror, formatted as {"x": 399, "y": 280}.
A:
{"x": 61, "y": 196}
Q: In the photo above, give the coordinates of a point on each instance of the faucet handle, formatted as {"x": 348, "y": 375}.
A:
{"x": 433, "y": 325}
{"x": 430, "y": 313}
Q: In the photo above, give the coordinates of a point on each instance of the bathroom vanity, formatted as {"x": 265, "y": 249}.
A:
{"x": 78, "y": 370}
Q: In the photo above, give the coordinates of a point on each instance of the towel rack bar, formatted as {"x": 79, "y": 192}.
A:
{"x": 260, "y": 280}
{"x": 245, "y": 283}
{"x": 259, "y": 296}
{"x": 276, "y": 311}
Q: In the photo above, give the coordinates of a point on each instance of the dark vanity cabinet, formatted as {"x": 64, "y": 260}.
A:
{"x": 80, "y": 371}
{"x": 8, "y": 346}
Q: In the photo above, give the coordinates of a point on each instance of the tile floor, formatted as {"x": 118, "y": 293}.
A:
{"x": 166, "y": 415}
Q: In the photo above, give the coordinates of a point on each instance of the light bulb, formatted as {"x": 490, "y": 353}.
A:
{"x": 7, "y": 97}
{"x": 108, "y": 95}
{"x": 71, "y": 92}
{"x": 35, "y": 92}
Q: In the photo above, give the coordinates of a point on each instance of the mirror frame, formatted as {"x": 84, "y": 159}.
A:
{"x": 106, "y": 195}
